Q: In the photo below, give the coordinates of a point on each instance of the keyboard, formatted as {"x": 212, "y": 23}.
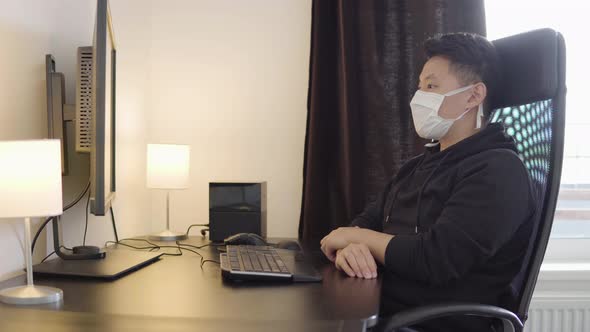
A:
{"x": 254, "y": 262}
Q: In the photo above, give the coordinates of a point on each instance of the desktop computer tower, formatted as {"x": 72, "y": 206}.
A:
{"x": 236, "y": 208}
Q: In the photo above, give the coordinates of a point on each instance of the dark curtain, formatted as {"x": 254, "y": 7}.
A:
{"x": 365, "y": 60}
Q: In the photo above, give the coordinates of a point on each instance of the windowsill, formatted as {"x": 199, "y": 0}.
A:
{"x": 565, "y": 271}
{"x": 563, "y": 281}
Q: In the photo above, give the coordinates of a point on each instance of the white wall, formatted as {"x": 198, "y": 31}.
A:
{"x": 227, "y": 77}
{"x": 230, "y": 78}
{"x": 29, "y": 29}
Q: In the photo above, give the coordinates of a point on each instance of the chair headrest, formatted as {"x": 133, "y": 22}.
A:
{"x": 530, "y": 65}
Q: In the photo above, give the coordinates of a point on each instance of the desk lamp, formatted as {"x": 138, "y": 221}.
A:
{"x": 30, "y": 186}
{"x": 168, "y": 168}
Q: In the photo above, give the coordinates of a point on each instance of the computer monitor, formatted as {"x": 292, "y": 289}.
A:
{"x": 55, "y": 108}
{"x": 94, "y": 112}
{"x": 102, "y": 166}
{"x": 94, "y": 117}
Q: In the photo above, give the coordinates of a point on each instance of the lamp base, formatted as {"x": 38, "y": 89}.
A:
{"x": 168, "y": 235}
{"x": 30, "y": 295}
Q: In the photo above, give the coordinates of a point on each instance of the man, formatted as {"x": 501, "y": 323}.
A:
{"x": 454, "y": 224}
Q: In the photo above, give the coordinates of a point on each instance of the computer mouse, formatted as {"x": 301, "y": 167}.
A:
{"x": 289, "y": 245}
{"x": 245, "y": 239}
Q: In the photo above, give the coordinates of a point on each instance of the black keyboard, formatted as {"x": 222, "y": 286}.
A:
{"x": 265, "y": 263}
{"x": 255, "y": 259}
{"x": 254, "y": 263}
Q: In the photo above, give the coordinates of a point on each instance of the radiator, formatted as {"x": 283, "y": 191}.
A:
{"x": 559, "y": 316}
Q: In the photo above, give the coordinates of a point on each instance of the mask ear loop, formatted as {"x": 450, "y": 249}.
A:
{"x": 479, "y": 116}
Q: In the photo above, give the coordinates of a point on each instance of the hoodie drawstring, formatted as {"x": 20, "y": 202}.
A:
{"x": 399, "y": 187}
{"x": 421, "y": 191}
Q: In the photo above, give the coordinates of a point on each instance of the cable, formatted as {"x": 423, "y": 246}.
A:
{"x": 144, "y": 240}
{"x": 203, "y": 246}
{"x": 180, "y": 246}
{"x": 203, "y": 260}
{"x": 86, "y": 226}
{"x": 114, "y": 224}
{"x": 39, "y": 232}
{"x": 152, "y": 246}
{"x": 67, "y": 207}
{"x": 195, "y": 225}
{"x": 130, "y": 246}
{"x": 79, "y": 198}
{"x": 53, "y": 252}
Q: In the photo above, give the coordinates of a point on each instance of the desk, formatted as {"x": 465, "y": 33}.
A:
{"x": 177, "y": 291}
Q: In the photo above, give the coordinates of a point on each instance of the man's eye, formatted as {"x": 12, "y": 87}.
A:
{"x": 429, "y": 86}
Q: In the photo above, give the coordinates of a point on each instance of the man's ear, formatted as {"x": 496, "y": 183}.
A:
{"x": 478, "y": 95}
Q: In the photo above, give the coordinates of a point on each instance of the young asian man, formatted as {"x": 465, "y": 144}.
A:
{"x": 454, "y": 223}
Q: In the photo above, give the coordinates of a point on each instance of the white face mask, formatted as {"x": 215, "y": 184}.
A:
{"x": 425, "y": 107}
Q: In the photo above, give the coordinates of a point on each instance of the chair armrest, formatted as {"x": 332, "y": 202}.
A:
{"x": 510, "y": 322}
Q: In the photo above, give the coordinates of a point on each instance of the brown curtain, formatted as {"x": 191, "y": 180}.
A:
{"x": 365, "y": 60}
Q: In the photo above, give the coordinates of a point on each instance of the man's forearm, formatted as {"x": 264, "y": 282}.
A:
{"x": 376, "y": 241}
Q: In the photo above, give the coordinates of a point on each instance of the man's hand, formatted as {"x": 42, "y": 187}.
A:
{"x": 337, "y": 239}
{"x": 340, "y": 238}
{"x": 356, "y": 260}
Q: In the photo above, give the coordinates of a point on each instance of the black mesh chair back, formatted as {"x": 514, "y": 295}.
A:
{"x": 531, "y": 105}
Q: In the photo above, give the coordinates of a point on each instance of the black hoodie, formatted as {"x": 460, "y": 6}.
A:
{"x": 462, "y": 220}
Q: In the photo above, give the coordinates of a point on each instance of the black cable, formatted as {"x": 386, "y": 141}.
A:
{"x": 179, "y": 246}
{"x": 144, "y": 240}
{"x": 152, "y": 246}
{"x": 203, "y": 246}
{"x": 44, "y": 259}
{"x": 39, "y": 233}
{"x": 67, "y": 207}
{"x": 130, "y": 246}
{"x": 203, "y": 260}
{"x": 79, "y": 198}
{"x": 86, "y": 226}
{"x": 195, "y": 225}
{"x": 114, "y": 224}
{"x": 53, "y": 252}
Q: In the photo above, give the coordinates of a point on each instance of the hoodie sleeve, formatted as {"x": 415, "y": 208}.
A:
{"x": 489, "y": 202}
{"x": 372, "y": 215}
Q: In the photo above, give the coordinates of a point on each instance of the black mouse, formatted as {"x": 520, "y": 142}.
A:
{"x": 289, "y": 245}
{"x": 245, "y": 239}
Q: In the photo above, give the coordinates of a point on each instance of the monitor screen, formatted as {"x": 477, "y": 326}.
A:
{"x": 103, "y": 100}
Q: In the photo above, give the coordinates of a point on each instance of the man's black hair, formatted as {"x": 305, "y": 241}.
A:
{"x": 473, "y": 59}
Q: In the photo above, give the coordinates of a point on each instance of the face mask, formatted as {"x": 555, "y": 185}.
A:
{"x": 425, "y": 107}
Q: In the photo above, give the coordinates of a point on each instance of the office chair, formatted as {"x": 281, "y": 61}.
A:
{"x": 531, "y": 105}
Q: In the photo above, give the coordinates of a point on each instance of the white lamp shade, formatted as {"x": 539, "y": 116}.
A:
{"x": 168, "y": 166}
{"x": 30, "y": 178}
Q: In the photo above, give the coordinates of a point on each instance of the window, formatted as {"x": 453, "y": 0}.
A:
{"x": 509, "y": 17}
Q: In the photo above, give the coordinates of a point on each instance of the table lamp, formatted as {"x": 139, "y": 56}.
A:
{"x": 30, "y": 186}
{"x": 168, "y": 168}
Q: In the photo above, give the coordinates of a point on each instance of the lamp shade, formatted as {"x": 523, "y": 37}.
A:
{"x": 168, "y": 166}
{"x": 30, "y": 178}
